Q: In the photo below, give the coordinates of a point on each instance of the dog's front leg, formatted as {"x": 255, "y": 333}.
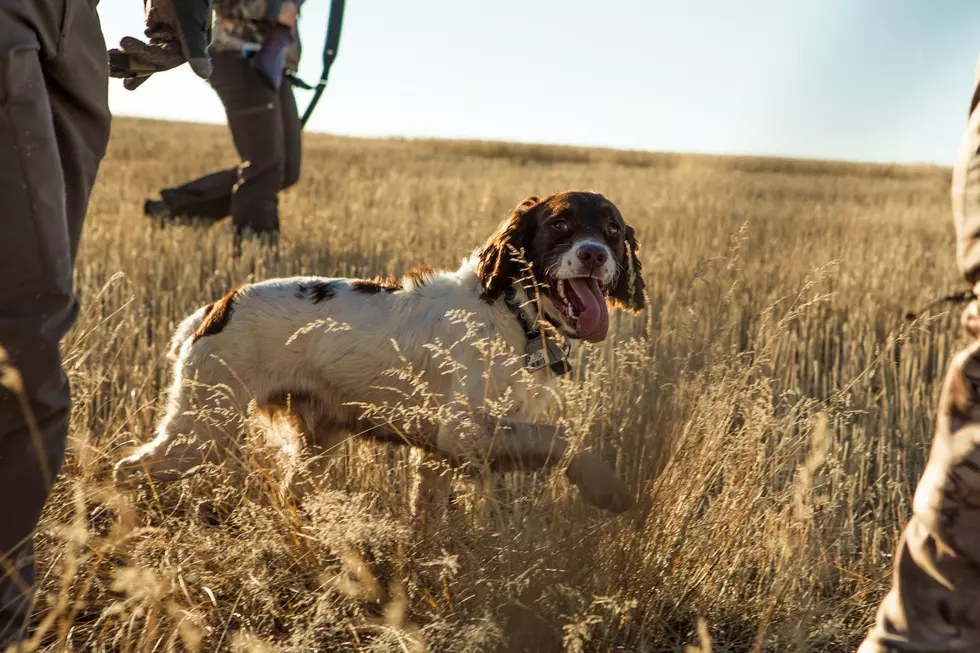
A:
{"x": 431, "y": 491}
{"x": 509, "y": 444}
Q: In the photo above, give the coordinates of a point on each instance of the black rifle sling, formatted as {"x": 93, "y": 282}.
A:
{"x": 330, "y": 46}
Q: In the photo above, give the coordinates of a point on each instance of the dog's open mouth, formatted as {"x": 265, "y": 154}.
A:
{"x": 582, "y": 302}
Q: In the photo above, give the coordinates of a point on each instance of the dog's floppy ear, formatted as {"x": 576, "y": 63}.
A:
{"x": 628, "y": 291}
{"x": 498, "y": 264}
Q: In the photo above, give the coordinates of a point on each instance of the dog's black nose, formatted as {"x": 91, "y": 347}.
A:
{"x": 593, "y": 256}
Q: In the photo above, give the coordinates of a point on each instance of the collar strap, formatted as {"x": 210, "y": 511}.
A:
{"x": 539, "y": 348}
{"x": 514, "y": 304}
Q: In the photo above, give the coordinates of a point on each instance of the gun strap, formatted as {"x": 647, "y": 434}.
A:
{"x": 960, "y": 297}
{"x": 330, "y": 46}
{"x": 299, "y": 83}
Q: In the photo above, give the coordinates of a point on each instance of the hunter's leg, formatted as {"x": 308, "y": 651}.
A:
{"x": 54, "y": 123}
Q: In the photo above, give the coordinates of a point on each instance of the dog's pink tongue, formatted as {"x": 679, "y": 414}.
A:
{"x": 593, "y": 321}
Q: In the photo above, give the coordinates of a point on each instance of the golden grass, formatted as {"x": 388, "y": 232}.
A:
{"x": 770, "y": 410}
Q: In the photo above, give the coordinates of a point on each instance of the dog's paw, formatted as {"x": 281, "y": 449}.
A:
{"x": 138, "y": 467}
{"x": 598, "y": 485}
{"x": 128, "y": 472}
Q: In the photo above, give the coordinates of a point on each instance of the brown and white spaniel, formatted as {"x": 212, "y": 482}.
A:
{"x": 318, "y": 351}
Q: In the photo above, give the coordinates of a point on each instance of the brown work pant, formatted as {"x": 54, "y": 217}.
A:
{"x": 54, "y": 127}
{"x": 265, "y": 126}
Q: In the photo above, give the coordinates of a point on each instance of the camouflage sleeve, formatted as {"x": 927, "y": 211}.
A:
{"x": 934, "y": 602}
{"x": 252, "y": 10}
{"x": 966, "y": 194}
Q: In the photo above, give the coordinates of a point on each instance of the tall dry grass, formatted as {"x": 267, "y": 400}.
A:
{"x": 770, "y": 410}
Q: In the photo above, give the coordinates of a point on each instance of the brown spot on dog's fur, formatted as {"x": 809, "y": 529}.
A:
{"x": 317, "y": 291}
{"x": 528, "y": 203}
{"x": 628, "y": 291}
{"x": 498, "y": 266}
{"x": 374, "y": 286}
{"x": 217, "y": 316}
{"x": 420, "y": 275}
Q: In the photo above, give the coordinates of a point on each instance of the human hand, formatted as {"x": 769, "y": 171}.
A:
{"x": 177, "y": 31}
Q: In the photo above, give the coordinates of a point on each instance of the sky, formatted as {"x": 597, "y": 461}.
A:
{"x": 863, "y": 80}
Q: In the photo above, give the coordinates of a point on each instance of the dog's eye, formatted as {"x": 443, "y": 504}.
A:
{"x": 612, "y": 228}
{"x": 560, "y": 225}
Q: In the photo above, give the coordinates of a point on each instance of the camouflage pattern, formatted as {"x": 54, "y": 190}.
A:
{"x": 242, "y": 23}
{"x": 966, "y": 192}
{"x": 934, "y": 602}
{"x": 248, "y": 10}
{"x": 177, "y": 31}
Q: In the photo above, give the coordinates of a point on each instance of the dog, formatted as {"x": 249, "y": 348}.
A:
{"x": 315, "y": 351}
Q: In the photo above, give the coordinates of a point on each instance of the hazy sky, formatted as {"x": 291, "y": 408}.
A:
{"x": 881, "y": 80}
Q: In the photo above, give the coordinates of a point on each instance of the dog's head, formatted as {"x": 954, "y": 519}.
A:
{"x": 581, "y": 253}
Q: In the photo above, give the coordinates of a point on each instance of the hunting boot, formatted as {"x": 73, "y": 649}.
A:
{"x": 157, "y": 210}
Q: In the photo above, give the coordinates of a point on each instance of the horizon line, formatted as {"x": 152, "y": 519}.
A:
{"x": 574, "y": 146}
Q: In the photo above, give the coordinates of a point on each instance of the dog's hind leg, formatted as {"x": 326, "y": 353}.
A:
{"x": 430, "y": 494}
{"x": 204, "y": 423}
{"x": 309, "y": 438}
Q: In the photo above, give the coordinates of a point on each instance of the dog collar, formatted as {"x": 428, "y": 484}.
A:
{"x": 540, "y": 348}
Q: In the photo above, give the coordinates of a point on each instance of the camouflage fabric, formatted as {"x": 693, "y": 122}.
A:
{"x": 250, "y": 10}
{"x": 177, "y": 31}
{"x": 934, "y": 602}
{"x": 966, "y": 192}
{"x": 239, "y": 23}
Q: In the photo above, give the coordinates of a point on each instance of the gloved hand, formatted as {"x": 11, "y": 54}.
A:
{"x": 177, "y": 31}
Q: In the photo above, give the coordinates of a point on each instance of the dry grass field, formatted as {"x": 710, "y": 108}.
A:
{"x": 771, "y": 411}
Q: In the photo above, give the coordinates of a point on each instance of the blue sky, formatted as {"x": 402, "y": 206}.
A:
{"x": 873, "y": 80}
